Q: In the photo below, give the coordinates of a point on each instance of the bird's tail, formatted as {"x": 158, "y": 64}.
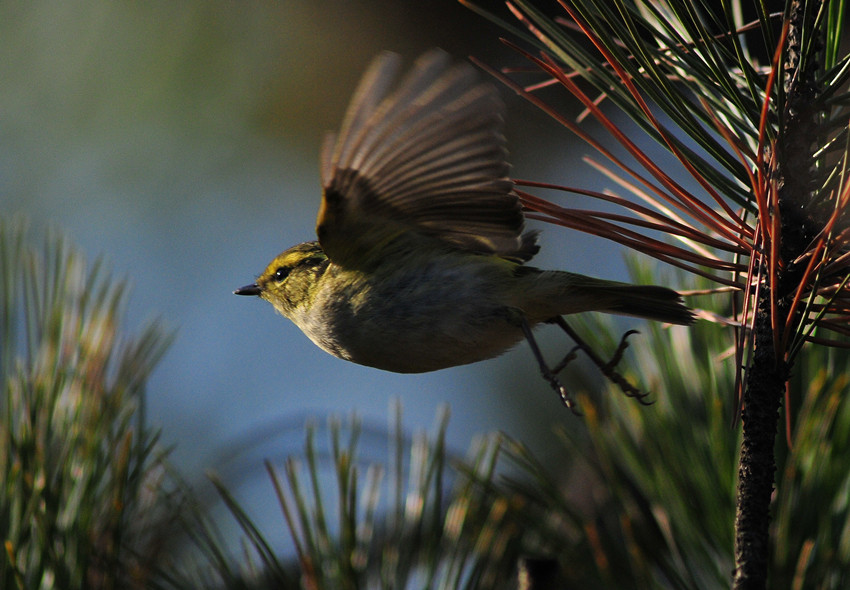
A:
{"x": 554, "y": 293}
{"x": 650, "y": 302}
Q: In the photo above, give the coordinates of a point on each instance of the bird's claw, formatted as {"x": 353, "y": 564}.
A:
{"x": 608, "y": 370}
{"x": 621, "y": 348}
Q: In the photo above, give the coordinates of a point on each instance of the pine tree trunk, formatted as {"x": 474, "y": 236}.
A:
{"x": 794, "y": 178}
{"x": 757, "y": 465}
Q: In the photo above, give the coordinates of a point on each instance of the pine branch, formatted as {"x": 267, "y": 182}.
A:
{"x": 776, "y": 196}
{"x": 82, "y": 481}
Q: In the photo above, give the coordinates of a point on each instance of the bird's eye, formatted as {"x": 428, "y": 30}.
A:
{"x": 281, "y": 273}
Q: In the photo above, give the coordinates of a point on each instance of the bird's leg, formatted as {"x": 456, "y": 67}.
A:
{"x": 551, "y": 375}
{"x": 607, "y": 369}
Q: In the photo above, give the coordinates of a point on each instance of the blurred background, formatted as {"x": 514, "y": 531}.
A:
{"x": 179, "y": 141}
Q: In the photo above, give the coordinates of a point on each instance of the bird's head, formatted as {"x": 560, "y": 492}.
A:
{"x": 289, "y": 280}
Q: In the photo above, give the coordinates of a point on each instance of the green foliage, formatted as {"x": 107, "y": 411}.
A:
{"x": 367, "y": 525}
{"x": 80, "y": 480}
{"x": 812, "y": 522}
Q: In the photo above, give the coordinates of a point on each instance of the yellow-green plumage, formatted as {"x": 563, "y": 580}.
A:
{"x": 420, "y": 260}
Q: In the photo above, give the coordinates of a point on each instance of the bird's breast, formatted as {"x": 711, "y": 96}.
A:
{"x": 416, "y": 316}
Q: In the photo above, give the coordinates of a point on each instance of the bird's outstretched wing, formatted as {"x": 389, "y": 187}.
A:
{"x": 427, "y": 156}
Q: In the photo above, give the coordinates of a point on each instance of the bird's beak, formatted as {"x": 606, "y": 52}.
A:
{"x": 252, "y": 289}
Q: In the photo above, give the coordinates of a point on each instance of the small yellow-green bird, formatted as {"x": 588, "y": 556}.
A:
{"x": 420, "y": 261}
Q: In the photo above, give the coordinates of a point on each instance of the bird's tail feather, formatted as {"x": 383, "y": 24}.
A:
{"x": 650, "y": 302}
{"x": 552, "y": 293}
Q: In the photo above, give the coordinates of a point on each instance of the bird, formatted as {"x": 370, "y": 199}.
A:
{"x": 421, "y": 258}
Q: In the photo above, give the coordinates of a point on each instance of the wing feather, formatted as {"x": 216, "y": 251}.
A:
{"x": 427, "y": 157}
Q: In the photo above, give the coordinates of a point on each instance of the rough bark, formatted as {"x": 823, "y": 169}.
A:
{"x": 794, "y": 178}
{"x": 757, "y": 464}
